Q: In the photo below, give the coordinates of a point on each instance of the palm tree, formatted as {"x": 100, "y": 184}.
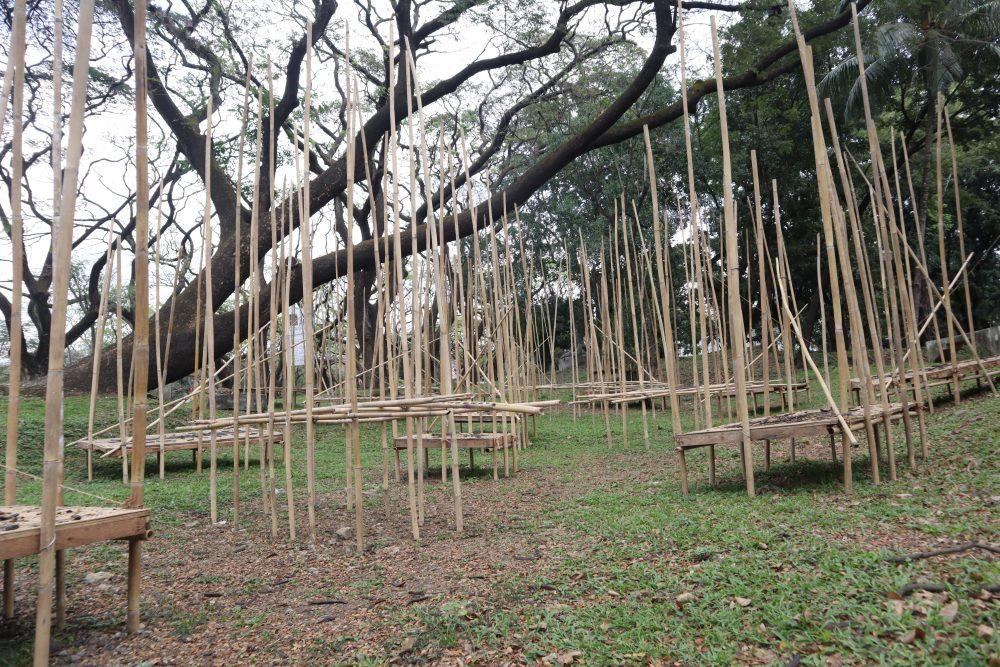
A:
{"x": 923, "y": 49}
{"x": 926, "y": 48}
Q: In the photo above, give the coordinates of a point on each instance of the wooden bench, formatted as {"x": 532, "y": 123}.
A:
{"x": 175, "y": 441}
{"x": 20, "y": 536}
{"x": 485, "y": 442}
{"x": 803, "y": 424}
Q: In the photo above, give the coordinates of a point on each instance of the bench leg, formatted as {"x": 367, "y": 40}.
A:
{"x": 506, "y": 461}
{"x": 396, "y": 452}
{"x": 444, "y": 459}
{"x": 684, "y": 472}
{"x": 134, "y": 583}
{"x": 711, "y": 465}
{"x": 8, "y": 588}
{"x": 60, "y": 589}
{"x": 833, "y": 449}
{"x": 878, "y": 444}
{"x": 472, "y": 460}
{"x": 496, "y": 477}
{"x": 767, "y": 455}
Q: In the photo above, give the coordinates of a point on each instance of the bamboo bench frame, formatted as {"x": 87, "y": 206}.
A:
{"x": 803, "y": 424}
{"x": 486, "y": 442}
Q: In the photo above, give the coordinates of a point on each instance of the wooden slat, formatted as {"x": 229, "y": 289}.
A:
{"x": 95, "y": 524}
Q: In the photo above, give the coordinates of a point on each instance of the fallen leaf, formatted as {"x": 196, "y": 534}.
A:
{"x": 685, "y": 597}
{"x": 985, "y": 631}
{"x": 568, "y": 657}
{"x": 898, "y": 607}
{"x": 743, "y": 602}
{"x": 949, "y": 611}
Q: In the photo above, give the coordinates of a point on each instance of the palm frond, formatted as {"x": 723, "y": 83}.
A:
{"x": 842, "y": 81}
{"x": 976, "y": 18}
{"x": 892, "y": 38}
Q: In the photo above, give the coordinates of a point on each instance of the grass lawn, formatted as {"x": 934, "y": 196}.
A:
{"x": 590, "y": 554}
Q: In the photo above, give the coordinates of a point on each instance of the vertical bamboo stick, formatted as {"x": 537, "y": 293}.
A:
{"x": 100, "y": 326}
{"x": 160, "y": 426}
{"x": 237, "y": 285}
{"x": 820, "y": 154}
{"x": 735, "y": 310}
{"x": 210, "y": 317}
{"x": 970, "y": 324}
{"x": 351, "y": 377}
{"x": 669, "y": 349}
{"x": 272, "y": 343}
{"x": 400, "y": 307}
{"x": 920, "y": 229}
{"x": 288, "y": 359}
{"x": 119, "y": 362}
{"x": 943, "y": 255}
{"x": 307, "y": 294}
{"x": 765, "y": 301}
{"x": 140, "y": 330}
{"x": 62, "y": 241}
{"x": 15, "y": 68}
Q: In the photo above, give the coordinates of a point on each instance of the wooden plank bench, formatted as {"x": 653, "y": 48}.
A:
{"x": 20, "y": 536}
{"x": 175, "y": 441}
{"x": 803, "y": 424}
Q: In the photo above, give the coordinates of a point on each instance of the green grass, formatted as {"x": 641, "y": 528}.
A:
{"x": 635, "y": 547}
{"x": 811, "y": 561}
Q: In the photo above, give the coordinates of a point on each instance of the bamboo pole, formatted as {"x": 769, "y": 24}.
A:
{"x": 272, "y": 343}
{"x": 237, "y": 284}
{"x": 161, "y": 427}
{"x": 56, "y": 158}
{"x": 735, "y": 310}
{"x": 351, "y": 377}
{"x": 307, "y": 293}
{"x": 102, "y": 313}
{"x": 400, "y": 312}
{"x": 765, "y": 302}
{"x": 906, "y": 257}
{"x": 210, "y": 318}
{"x": 970, "y": 323}
{"x": 920, "y": 227}
{"x": 822, "y": 171}
{"x": 819, "y": 150}
{"x": 140, "y": 330}
{"x": 669, "y": 349}
{"x": 288, "y": 360}
{"x": 858, "y": 338}
{"x": 909, "y": 315}
{"x": 15, "y": 77}
{"x": 62, "y": 240}
{"x": 942, "y": 253}
{"x": 442, "y": 301}
{"x": 119, "y": 362}
{"x": 822, "y": 311}
{"x": 882, "y": 188}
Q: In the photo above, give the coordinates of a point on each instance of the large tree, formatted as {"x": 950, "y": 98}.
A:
{"x": 533, "y": 54}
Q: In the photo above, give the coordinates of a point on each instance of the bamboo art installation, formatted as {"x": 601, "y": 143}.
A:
{"x": 47, "y": 530}
{"x": 428, "y": 345}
